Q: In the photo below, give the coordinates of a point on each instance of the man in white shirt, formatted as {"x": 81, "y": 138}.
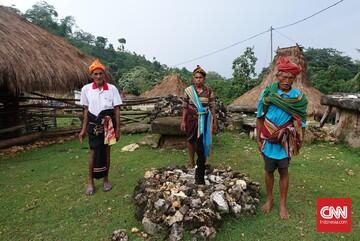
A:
{"x": 101, "y": 121}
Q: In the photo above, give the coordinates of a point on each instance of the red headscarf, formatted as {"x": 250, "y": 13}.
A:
{"x": 96, "y": 65}
{"x": 284, "y": 65}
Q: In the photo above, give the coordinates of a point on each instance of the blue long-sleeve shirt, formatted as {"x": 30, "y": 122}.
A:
{"x": 278, "y": 117}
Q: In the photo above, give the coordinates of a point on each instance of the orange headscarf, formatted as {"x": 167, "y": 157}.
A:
{"x": 284, "y": 65}
{"x": 200, "y": 70}
{"x": 96, "y": 65}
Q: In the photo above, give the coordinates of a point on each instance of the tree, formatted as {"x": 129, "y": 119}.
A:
{"x": 121, "y": 41}
{"x": 66, "y": 25}
{"x": 243, "y": 71}
{"x": 263, "y": 73}
{"x": 222, "y": 89}
{"x": 119, "y": 62}
{"x": 322, "y": 59}
{"x": 212, "y": 75}
{"x": 353, "y": 85}
{"x": 84, "y": 37}
{"x": 157, "y": 65}
{"x": 185, "y": 74}
{"x": 330, "y": 71}
{"x": 111, "y": 48}
{"x": 101, "y": 42}
{"x": 138, "y": 80}
{"x": 43, "y": 15}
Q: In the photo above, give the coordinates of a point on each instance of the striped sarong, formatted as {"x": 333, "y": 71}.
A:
{"x": 204, "y": 119}
{"x": 289, "y": 135}
{"x": 98, "y": 129}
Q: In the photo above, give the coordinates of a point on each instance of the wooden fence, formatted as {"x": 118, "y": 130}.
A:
{"x": 35, "y": 112}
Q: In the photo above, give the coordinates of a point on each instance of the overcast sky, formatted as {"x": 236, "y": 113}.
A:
{"x": 174, "y": 31}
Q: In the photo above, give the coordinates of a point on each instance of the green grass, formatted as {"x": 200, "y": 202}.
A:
{"x": 67, "y": 122}
{"x": 42, "y": 191}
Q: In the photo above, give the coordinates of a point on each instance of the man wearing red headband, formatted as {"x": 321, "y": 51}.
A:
{"x": 281, "y": 118}
{"x": 101, "y": 122}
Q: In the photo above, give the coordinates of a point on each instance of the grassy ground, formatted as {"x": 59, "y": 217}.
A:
{"x": 41, "y": 192}
{"x": 67, "y": 122}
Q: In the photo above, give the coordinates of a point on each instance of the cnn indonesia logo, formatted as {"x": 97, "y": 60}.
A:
{"x": 334, "y": 215}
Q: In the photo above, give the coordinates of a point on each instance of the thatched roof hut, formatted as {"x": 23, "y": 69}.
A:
{"x": 249, "y": 99}
{"x": 32, "y": 59}
{"x": 170, "y": 85}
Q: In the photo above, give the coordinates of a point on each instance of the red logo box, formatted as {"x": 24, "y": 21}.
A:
{"x": 334, "y": 215}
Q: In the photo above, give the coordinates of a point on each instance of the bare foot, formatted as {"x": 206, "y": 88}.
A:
{"x": 90, "y": 190}
{"x": 283, "y": 212}
{"x": 107, "y": 186}
{"x": 190, "y": 166}
{"x": 266, "y": 208}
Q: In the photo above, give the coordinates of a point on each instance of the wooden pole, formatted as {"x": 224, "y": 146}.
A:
{"x": 20, "y": 140}
{"x": 11, "y": 129}
{"x": 325, "y": 116}
{"x": 271, "y": 40}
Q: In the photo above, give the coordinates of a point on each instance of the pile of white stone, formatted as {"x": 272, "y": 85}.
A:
{"x": 168, "y": 202}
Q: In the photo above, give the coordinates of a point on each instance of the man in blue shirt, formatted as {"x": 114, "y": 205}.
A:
{"x": 281, "y": 118}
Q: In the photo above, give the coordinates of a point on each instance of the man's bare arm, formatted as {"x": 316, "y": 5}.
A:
{"x": 259, "y": 124}
{"x": 117, "y": 119}
{"x": 183, "y": 120}
{"x": 82, "y": 133}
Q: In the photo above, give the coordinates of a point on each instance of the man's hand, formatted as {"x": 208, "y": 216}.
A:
{"x": 214, "y": 128}
{"x": 117, "y": 120}
{"x": 183, "y": 126}
{"x": 82, "y": 135}
{"x": 259, "y": 125}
